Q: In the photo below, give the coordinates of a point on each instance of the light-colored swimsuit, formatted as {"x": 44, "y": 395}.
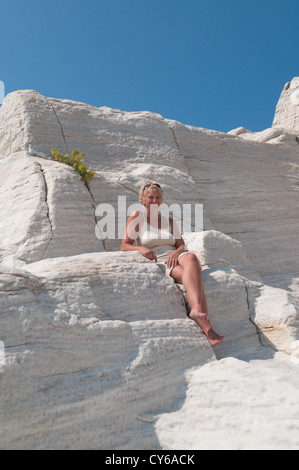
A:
{"x": 159, "y": 240}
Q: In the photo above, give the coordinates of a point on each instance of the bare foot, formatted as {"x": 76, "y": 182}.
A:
{"x": 213, "y": 337}
{"x": 202, "y": 319}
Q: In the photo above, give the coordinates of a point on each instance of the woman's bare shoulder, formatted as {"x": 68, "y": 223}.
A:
{"x": 135, "y": 214}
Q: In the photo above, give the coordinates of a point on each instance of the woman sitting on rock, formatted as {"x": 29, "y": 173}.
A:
{"x": 159, "y": 239}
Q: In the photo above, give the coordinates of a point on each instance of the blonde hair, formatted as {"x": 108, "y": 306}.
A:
{"x": 149, "y": 186}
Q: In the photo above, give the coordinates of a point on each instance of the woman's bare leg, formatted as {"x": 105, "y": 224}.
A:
{"x": 189, "y": 273}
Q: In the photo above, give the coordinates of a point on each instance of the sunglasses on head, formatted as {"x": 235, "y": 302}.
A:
{"x": 151, "y": 184}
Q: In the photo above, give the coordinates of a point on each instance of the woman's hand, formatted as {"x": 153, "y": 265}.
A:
{"x": 172, "y": 259}
{"x": 147, "y": 253}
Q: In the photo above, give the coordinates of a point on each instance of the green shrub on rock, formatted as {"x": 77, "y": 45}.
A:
{"x": 74, "y": 160}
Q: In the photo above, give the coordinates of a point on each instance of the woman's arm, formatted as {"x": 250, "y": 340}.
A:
{"x": 127, "y": 243}
{"x": 179, "y": 241}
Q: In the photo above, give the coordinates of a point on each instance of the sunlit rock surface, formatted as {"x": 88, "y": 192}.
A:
{"x": 98, "y": 350}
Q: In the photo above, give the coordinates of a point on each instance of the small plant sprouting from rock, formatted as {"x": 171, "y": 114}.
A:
{"x": 74, "y": 160}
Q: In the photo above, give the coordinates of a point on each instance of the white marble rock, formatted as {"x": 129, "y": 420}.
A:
{"x": 98, "y": 350}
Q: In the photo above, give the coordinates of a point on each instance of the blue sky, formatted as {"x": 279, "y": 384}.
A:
{"x": 217, "y": 64}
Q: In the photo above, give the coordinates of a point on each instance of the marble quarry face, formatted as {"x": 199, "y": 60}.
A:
{"x": 96, "y": 349}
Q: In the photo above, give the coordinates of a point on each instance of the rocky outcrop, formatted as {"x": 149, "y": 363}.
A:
{"x": 98, "y": 351}
{"x": 287, "y": 110}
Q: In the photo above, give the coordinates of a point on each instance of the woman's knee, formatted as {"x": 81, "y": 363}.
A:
{"x": 189, "y": 258}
